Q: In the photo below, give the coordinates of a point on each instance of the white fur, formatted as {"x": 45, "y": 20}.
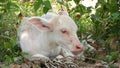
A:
{"x": 40, "y": 43}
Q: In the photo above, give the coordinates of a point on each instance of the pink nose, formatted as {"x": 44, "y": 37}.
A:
{"x": 77, "y": 49}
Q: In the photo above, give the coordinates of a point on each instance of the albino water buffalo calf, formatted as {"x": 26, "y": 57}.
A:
{"x": 49, "y": 36}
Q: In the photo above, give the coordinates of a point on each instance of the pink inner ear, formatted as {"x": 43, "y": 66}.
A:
{"x": 34, "y": 20}
{"x": 37, "y": 22}
{"x": 63, "y": 13}
{"x": 41, "y": 24}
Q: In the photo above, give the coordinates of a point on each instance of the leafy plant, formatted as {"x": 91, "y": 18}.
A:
{"x": 12, "y": 11}
{"x": 102, "y": 26}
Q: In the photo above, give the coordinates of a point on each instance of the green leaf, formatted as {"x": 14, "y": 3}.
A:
{"x": 45, "y": 9}
{"x": 14, "y": 5}
{"x": 8, "y": 5}
{"x": 89, "y": 9}
{"x": 37, "y": 5}
{"x": 2, "y": 1}
{"x": 27, "y": 4}
{"x": 115, "y": 15}
{"x": 114, "y": 55}
{"x": 60, "y": 2}
{"x": 7, "y": 45}
{"x": 8, "y": 59}
{"x": 13, "y": 41}
{"x": 47, "y": 4}
{"x": 24, "y": 53}
{"x": 77, "y": 1}
{"x": 80, "y": 8}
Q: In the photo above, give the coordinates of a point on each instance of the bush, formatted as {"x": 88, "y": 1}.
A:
{"x": 103, "y": 26}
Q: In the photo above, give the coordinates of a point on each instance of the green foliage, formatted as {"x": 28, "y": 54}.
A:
{"x": 112, "y": 56}
{"x": 45, "y": 4}
{"x": 11, "y": 13}
{"x": 102, "y": 26}
{"x": 7, "y": 30}
{"x": 37, "y": 5}
{"x": 77, "y": 1}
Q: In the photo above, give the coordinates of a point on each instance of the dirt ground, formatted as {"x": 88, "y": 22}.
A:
{"x": 61, "y": 63}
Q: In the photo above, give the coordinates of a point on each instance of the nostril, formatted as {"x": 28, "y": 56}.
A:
{"x": 78, "y": 47}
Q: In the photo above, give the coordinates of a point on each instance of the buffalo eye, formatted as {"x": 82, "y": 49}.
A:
{"x": 64, "y": 31}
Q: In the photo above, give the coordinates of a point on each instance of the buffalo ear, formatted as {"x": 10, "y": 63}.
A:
{"x": 41, "y": 23}
{"x": 63, "y": 13}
